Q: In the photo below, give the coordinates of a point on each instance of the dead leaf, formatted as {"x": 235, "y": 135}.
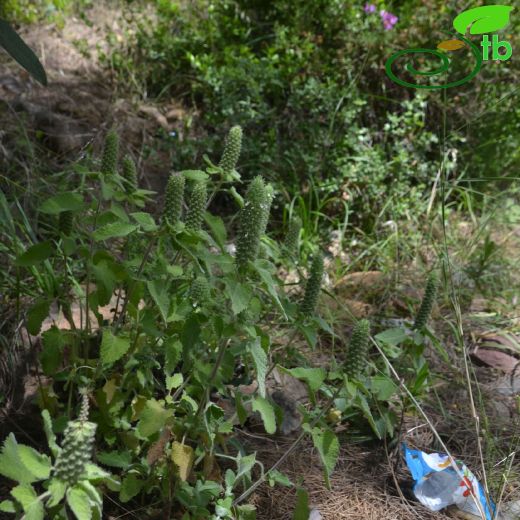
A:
{"x": 451, "y": 45}
{"x": 367, "y": 279}
{"x": 155, "y": 114}
{"x": 182, "y": 457}
{"x": 156, "y": 450}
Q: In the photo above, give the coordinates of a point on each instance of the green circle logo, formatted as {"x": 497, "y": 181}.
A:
{"x": 442, "y": 68}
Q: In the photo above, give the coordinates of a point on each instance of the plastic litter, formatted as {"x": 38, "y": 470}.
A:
{"x": 438, "y": 485}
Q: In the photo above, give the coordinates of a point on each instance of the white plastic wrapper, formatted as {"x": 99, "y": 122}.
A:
{"x": 438, "y": 485}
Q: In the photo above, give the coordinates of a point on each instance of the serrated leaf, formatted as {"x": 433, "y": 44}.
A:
{"x": 112, "y": 347}
{"x": 182, "y": 457}
{"x": 21, "y": 52}
{"x": 217, "y": 227}
{"x": 57, "y": 490}
{"x": 260, "y": 360}
{"x": 484, "y": 19}
{"x": 11, "y": 465}
{"x": 115, "y": 459}
{"x": 51, "y": 354}
{"x": 7, "y": 506}
{"x": 327, "y": 445}
{"x": 37, "y": 314}
{"x": 174, "y": 381}
{"x": 264, "y": 407}
{"x": 392, "y": 336}
{"x": 262, "y": 268}
{"x": 79, "y": 501}
{"x": 49, "y": 433}
{"x": 38, "y": 464}
{"x": 172, "y": 352}
{"x": 362, "y": 404}
{"x": 159, "y": 292}
{"x": 383, "y": 387}
{"x": 35, "y": 254}
{"x": 24, "y": 494}
{"x": 240, "y": 295}
{"x": 130, "y": 487}
{"x": 145, "y": 220}
{"x": 153, "y": 418}
{"x": 68, "y": 201}
{"x": 114, "y": 230}
{"x": 314, "y": 377}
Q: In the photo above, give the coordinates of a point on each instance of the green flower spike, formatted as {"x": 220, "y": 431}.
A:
{"x": 292, "y": 236}
{"x": 313, "y": 286}
{"x": 174, "y": 198}
{"x": 196, "y": 207}
{"x": 130, "y": 174}
{"x": 199, "y": 291}
{"x": 358, "y": 349}
{"x": 430, "y": 293}
{"x": 253, "y": 220}
{"x": 110, "y": 152}
{"x": 76, "y": 450}
{"x": 232, "y": 149}
{"x": 65, "y": 223}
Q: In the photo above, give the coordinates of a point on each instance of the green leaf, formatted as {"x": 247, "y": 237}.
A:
{"x": 484, "y": 19}
{"x": 79, "y": 501}
{"x": 217, "y": 227}
{"x": 68, "y": 201}
{"x": 145, "y": 220}
{"x": 112, "y": 347}
{"x": 21, "y": 52}
{"x": 362, "y": 404}
{"x": 11, "y": 465}
{"x": 159, "y": 292}
{"x": 115, "y": 459}
{"x": 172, "y": 352}
{"x": 49, "y": 433}
{"x": 383, "y": 387}
{"x": 262, "y": 268}
{"x": 260, "y": 360}
{"x": 106, "y": 280}
{"x": 7, "y": 506}
{"x": 153, "y": 418}
{"x": 195, "y": 175}
{"x": 301, "y": 511}
{"x": 264, "y": 407}
{"x": 240, "y": 295}
{"x": 392, "y": 337}
{"x": 57, "y": 490}
{"x": 51, "y": 354}
{"x": 130, "y": 487}
{"x": 314, "y": 377}
{"x": 38, "y": 464}
{"x": 37, "y": 314}
{"x": 327, "y": 445}
{"x": 113, "y": 230}
{"x": 25, "y": 494}
{"x": 276, "y": 477}
{"x": 35, "y": 254}
{"x": 174, "y": 381}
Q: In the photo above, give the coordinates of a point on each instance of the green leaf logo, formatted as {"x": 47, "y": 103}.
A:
{"x": 480, "y": 20}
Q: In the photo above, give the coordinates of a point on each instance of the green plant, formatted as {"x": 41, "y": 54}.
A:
{"x": 72, "y": 482}
{"x": 313, "y": 286}
{"x": 428, "y": 300}
{"x": 130, "y": 174}
{"x": 252, "y": 222}
{"x": 196, "y": 206}
{"x": 110, "y": 153}
{"x": 174, "y": 198}
{"x": 357, "y": 350}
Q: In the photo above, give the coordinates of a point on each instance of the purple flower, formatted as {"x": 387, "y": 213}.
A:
{"x": 369, "y": 8}
{"x": 389, "y": 19}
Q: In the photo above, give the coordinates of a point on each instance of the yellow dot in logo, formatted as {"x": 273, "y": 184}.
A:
{"x": 450, "y": 45}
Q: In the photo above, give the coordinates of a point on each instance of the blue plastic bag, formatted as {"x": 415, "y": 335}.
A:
{"x": 438, "y": 485}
